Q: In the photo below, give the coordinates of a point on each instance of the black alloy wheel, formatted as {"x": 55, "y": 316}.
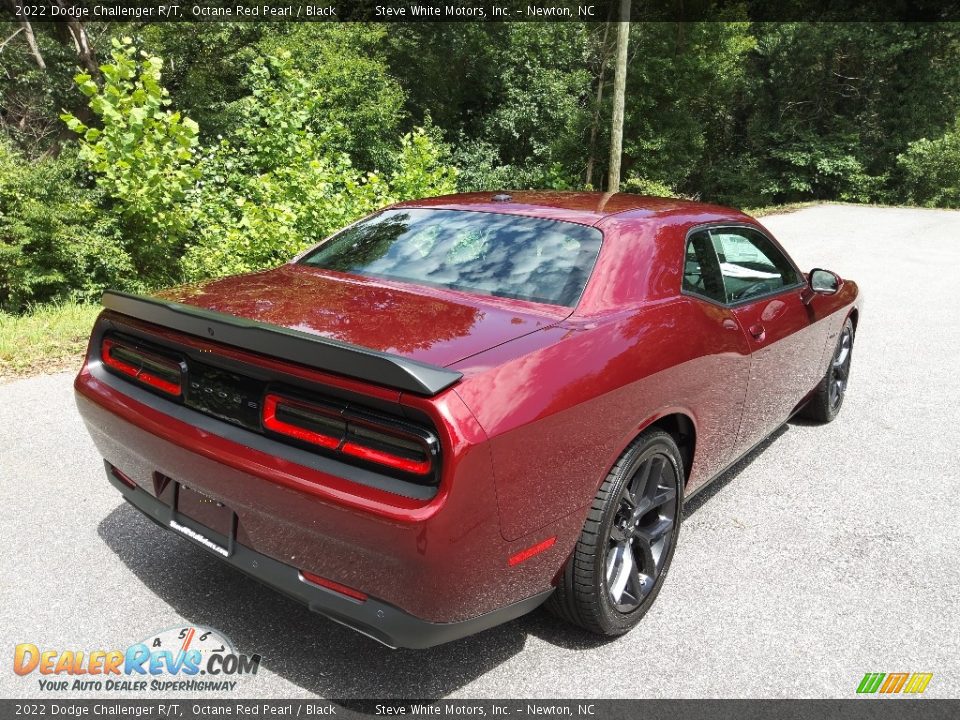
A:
{"x": 840, "y": 368}
{"x": 624, "y": 551}
{"x": 827, "y": 398}
{"x": 642, "y": 532}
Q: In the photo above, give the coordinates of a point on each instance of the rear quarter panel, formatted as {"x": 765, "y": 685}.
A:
{"x": 559, "y": 416}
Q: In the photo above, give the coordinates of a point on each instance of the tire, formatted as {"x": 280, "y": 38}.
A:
{"x": 827, "y": 399}
{"x": 638, "y": 505}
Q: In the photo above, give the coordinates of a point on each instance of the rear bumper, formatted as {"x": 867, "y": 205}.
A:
{"x": 381, "y": 621}
{"x": 433, "y": 569}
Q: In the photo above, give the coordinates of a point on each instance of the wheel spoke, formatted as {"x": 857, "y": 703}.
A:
{"x": 643, "y": 550}
{"x": 653, "y": 533}
{"x": 620, "y": 563}
{"x": 636, "y": 488}
{"x": 843, "y": 352}
{"x": 665, "y": 495}
{"x": 654, "y": 476}
{"x": 637, "y": 583}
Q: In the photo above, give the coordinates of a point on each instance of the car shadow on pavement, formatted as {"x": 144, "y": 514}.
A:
{"x": 306, "y": 649}
{"x": 315, "y": 653}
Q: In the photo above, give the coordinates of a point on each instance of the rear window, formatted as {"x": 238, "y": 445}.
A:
{"x": 545, "y": 261}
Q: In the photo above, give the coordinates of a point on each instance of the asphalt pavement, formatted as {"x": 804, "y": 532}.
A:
{"x": 828, "y": 553}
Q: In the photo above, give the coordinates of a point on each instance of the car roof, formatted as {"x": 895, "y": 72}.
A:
{"x": 585, "y": 208}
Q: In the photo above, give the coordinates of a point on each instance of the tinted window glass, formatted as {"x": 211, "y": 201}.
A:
{"x": 750, "y": 264}
{"x": 701, "y": 270}
{"x": 487, "y": 253}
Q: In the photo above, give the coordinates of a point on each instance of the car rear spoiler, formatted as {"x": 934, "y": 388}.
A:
{"x": 311, "y": 350}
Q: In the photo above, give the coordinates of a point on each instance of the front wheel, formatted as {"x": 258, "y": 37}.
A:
{"x": 828, "y": 397}
{"x": 624, "y": 551}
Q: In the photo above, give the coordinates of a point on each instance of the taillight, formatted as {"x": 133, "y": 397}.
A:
{"x": 307, "y": 422}
{"x": 392, "y": 459}
{"x": 150, "y": 369}
{"x": 381, "y": 441}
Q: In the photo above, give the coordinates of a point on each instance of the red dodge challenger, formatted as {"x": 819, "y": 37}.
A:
{"x": 462, "y": 407}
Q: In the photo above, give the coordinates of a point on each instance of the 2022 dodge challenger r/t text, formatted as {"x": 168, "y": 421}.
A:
{"x": 459, "y": 408}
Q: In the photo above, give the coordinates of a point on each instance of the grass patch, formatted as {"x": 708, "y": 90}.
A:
{"x": 764, "y": 210}
{"x": 47, "y": 339}
{"x": 759, "y": 212}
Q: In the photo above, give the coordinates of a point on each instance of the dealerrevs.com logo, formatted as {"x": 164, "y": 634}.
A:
{"x": 188, "y": 659}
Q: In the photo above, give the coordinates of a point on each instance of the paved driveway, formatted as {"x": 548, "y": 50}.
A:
{"x": 829, "y": 552}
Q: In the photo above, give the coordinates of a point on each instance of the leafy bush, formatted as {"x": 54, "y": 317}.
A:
{"x": 344, "y": 64}
{"x": 278, "y": 184}
{"x": 642, "y": 186}
{"x": 931, "y": 170}
{"x": 143, "y": 155}
{"x": 55, "y": 242}
{"x": 818, "y": 168}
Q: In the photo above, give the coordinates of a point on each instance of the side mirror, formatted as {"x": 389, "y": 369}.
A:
{"x": 822, "y": 282}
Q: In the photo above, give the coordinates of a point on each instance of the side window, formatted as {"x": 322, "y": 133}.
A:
{"x": 701, "y": 270}
{"x": 750, "y": 264}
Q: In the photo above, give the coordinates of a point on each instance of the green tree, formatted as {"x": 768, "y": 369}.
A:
{"x": 683, "y": 85}
{"x": 931, "y": 170}
{"x": 143, "y": 154}
{"x": 207, "y": 72}
{"x": 833, "y": 104}
{"x": 511, "y": 98}
{"x": 278, "y": 183}
{"x": 56, "y": 243}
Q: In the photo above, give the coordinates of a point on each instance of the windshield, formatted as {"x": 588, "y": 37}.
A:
{"x": 510, "y": 256}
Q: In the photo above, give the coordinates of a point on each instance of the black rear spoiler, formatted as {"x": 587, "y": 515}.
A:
{"x": 311, "y": 350}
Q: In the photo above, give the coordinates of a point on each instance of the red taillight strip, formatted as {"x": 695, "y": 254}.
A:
{"x": 138, "y": 373}
{"x": 271, "y": 422}
{"x": 531, "y": 551}
{"x": 312, "y": 483}
{"x": 331, "y": 585}
{"x": 351, "y": 447}
{"x": 420, "y": 467}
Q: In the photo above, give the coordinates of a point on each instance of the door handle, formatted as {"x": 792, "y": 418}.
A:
{"x": 758, "y": 331}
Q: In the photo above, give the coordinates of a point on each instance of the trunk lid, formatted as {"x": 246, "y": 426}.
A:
{"x": 434, "y": 326}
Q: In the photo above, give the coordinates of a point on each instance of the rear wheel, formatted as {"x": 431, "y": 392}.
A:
{"x": 624, "y": 551}
{"x": 828, "y": 397}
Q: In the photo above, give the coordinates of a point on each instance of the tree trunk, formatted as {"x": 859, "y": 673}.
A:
{"x": 619, "y": 90}
{"x": 592, "y": 152}
{"x": 28, "y": 32}
{"x": 32, "y": 42}
{"x": 81, "y": 43}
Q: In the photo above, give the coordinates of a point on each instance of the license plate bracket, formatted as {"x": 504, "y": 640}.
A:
{"x": 203, "y": 519}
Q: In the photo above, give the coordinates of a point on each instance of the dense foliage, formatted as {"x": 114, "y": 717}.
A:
{"x": 142, "y": 154}
{"x": 193, "y": 150}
